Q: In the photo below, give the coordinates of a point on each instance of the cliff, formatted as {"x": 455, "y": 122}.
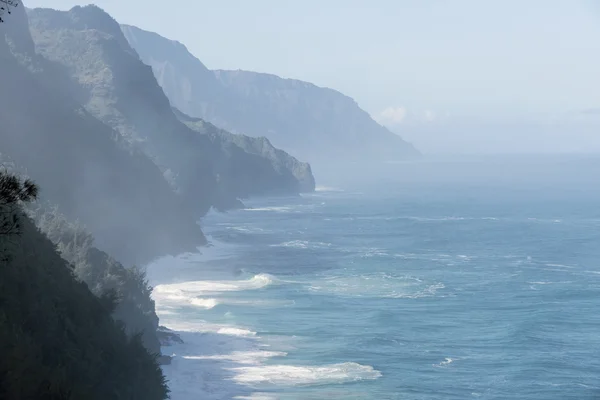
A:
{"x": 82, "y": 164}
{"x": 256, "y": 165}
{"x": 316, "y": 124}
{"x": 109, "y": 79}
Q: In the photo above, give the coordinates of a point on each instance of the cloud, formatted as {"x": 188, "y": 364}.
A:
{"x": 392, "y": 116}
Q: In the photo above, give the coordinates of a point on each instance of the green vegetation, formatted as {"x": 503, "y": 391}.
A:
{"x": 103, "y": 274}
{"x": 58, "y": 340}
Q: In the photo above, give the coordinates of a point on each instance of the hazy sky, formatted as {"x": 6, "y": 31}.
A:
{"x": 455, "y": 64}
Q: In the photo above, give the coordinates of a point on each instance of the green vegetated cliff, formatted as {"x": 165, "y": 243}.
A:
{"x": 253, "y": 163}
{"x": 57, "y": 339}
{"x": 83, "y": 165}
{"x": 103, "y": 274}
{"x": 319, "y": 125}
{"x": 114, "y": 85}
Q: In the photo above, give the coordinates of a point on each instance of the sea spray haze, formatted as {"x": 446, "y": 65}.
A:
{"x": 461, "y": 283}
{"x": 395, "y": 278}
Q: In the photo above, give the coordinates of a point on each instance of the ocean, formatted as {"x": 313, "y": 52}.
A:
{"x": 452, "y": 279}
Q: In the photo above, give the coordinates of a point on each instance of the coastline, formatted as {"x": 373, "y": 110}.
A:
{"x": 210, "y": 301}
{"x": 203, "y": 357}
{"x": 223, "y": 360}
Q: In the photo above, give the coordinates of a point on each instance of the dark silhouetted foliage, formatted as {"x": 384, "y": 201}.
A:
{"x": 13, "y": 192}
{"x": 125, "y": 291}
{"x": 57, "y": 339}
{"x": 5, "y": 6}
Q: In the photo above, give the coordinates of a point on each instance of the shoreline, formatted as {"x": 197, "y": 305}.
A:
{"x": 202, "y": 356}
{"x": 217, "y": 360}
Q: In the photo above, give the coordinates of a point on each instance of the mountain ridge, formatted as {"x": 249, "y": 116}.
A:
{"x": 320, "y": 125}
{"x": 123, "y": 92}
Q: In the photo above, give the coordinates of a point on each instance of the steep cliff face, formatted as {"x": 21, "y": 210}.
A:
{"x": 254, "y": 164}
{"x": 185, "y": 80}
{"x": 317, "y": 124}
{"x": 119, "y": 89}
{"x": 81, "y": 163}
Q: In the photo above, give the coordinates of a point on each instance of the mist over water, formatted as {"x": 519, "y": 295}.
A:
{"x": 436, "y": 280}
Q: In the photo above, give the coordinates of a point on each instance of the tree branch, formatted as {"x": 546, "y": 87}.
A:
{"x": 5, "y": 6}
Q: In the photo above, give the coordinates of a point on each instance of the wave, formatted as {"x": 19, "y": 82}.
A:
{"x": 328, "y": 189}
{"x": 281, "y": 209}
{"x": 290, "y": 375}
{"x": 246, "y": 229}
{"x": 447, "y": 361}
{"x": 560, "y": 266}
{"x": 199, "y": 366}
{"x": 257, "y": 396}
{"x": 170, "y": 297}
{"x": 235, "y": 360}
{"x": 446, "y": 218}
{"x": 303, "y": 244}
{"x": 236, "y": 332}
{"x": 197, "y": 288}
{"x": 241, "y": 357}
{"x": 546, "y": 220}
{"x": 380, "y": 285}
{"x": 204, "y": 303}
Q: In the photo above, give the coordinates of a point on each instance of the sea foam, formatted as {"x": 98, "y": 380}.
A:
{"x": 198, "y": 288}
{"x": 290, "y": 375}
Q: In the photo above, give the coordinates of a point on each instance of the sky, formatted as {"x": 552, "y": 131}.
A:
{"x": 437, "y": 72}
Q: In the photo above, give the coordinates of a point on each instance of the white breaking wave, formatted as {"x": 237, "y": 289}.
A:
{"x": 560, "y": 266}
{"x": 204, "y": 303}
{"x": 290, "y": 375}
{"x": 257, "y": 396}
{"x": 246, "y": 229}
{"x": 169, "y": 297}
{"x": 236, "y": 332}
{"x": 198, "y": 288}
{"x": 199, "y": 368}
{"x": 276, "y": 209}
{"x": 328, "y": 189}
{"x": 303, "y": 244}
{"x": 241, "y": 357}
{"x": 178, "y": 324}
{"x": 231, "y": 364}
{"x": 447, "y": 361}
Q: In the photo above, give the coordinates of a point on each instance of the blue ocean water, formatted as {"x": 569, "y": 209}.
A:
{"x": 433, "y": 280}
